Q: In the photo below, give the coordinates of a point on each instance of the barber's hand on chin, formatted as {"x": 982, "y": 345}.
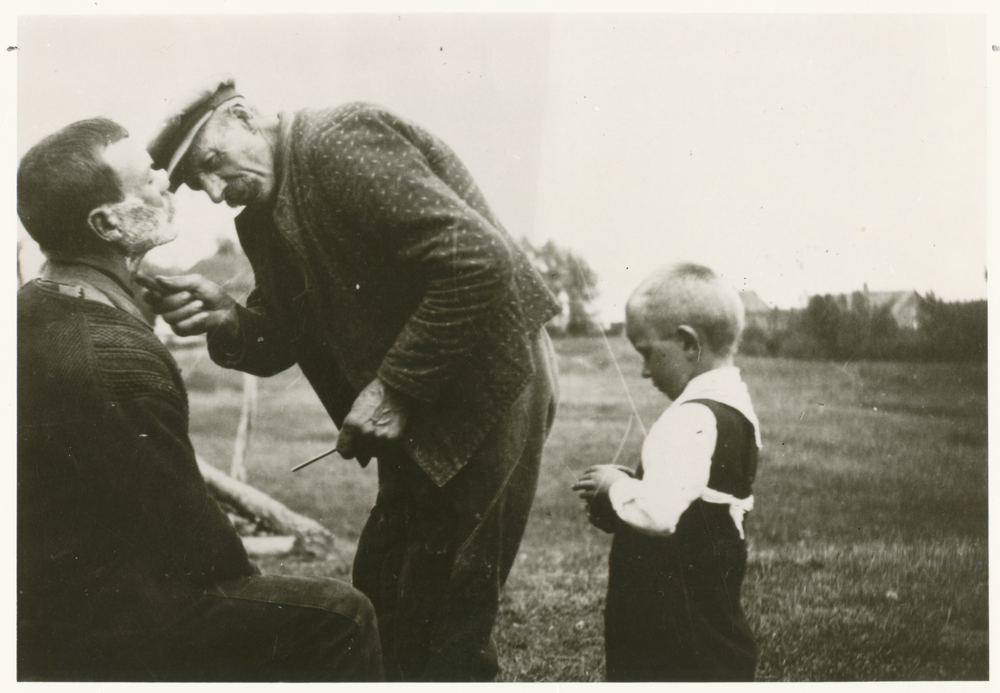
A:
{"x": 377, "y": 418}
{"x": 190, "y": 304}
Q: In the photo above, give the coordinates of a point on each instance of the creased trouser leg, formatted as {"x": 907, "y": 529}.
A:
{"x": 434, "y": 560}
{"x": 281, "y": 628}
{"x": 256, "y": 628}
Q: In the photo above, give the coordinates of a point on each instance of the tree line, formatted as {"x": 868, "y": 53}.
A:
{"x": 836, "y": 328}
{"x": 841, "y": 328}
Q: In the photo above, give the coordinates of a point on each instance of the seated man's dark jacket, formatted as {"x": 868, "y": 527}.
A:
{"x": 116, "y": 529}
{"x": 380, "y": 257}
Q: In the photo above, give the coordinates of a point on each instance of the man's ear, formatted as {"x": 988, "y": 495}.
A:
{"x": 691, "y": 340}
{"x": 104, "y": 223}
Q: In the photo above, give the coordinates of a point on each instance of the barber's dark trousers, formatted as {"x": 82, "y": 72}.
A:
{"x": 257, "y": 628}
{"x": 434, "y": 560}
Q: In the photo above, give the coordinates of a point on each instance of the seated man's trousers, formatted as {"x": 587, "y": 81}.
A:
{"x": 256, "y": 628}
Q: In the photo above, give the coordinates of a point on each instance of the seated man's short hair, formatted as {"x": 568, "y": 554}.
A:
{"x": 65, "y": 177}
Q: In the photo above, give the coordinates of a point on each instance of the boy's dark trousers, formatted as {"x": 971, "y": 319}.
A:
{"x": 673, "y": 608}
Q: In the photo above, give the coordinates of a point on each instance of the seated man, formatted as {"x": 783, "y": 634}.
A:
{"x": 126, "y": 568}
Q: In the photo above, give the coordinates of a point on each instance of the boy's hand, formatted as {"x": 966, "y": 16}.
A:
{"x": 597, "y": 480}
{"x": 602, "y": 515}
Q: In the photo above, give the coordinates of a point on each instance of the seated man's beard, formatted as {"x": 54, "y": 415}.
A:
{"x": 143, "y": 226}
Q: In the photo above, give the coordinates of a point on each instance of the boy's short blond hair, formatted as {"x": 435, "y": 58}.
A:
{"x": 694, "y": 295}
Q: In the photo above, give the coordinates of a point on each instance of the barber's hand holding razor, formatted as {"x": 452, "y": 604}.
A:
{"x": 377, "y": 418}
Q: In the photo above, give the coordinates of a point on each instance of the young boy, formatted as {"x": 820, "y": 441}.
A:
{"x": 679, "y": 555}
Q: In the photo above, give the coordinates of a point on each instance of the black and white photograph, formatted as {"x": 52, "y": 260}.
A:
{"x": 516, "y": 343}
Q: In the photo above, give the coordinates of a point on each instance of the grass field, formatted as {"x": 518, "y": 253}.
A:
{"x": 868, "y": 543}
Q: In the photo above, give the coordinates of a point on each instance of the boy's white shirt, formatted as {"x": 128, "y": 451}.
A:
{"x": 677, "y": 457}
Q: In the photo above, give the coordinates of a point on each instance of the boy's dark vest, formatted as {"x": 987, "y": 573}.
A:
{"x": 734, "y": 461}
{"x": 703, "y": 527}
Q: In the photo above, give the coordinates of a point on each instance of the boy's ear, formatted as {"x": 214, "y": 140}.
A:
{"x": 692, "y": 342}
{"x": 104, "y": 223}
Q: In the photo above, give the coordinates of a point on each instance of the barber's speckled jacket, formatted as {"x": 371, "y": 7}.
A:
{"x": 380, "y": 257}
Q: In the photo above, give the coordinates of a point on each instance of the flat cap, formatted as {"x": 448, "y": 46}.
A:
{"x": 182, "y": 124}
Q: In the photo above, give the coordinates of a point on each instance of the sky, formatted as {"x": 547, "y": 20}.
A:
{"x": 796, "y": 154}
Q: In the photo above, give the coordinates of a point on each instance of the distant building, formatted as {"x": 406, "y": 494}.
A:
{"x": 762, "y": 316}
{"x": 903, "y": 306}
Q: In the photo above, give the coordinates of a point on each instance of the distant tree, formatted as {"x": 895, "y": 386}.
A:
{"x": 953, "y": 331}
{"x": 821, "y": 321}
{"x": 886, "y": 341}
{"x": 835, "y": 327}
{"x": 567, "y": 274}
{"x": 853, "y": 327}
{"x": 866, "y": 332}
{"x": 756, "y": 341}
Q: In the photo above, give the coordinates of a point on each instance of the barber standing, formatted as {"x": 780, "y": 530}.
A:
{"x": 382, "y": 272}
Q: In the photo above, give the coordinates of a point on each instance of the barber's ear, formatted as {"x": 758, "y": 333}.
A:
{"x": 692, "y": 342}
{"x": 104, "y": 223}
